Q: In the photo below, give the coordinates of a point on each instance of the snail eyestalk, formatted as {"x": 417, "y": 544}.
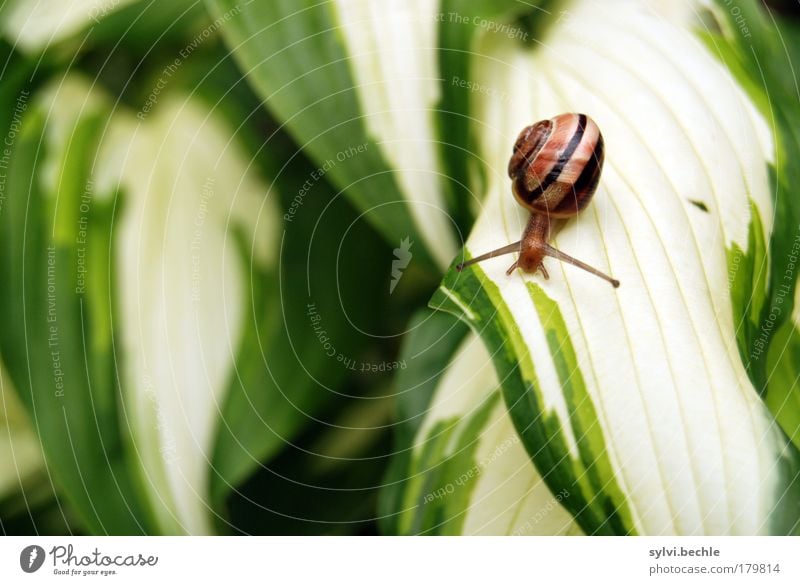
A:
{"x": 509, "y": 249}
{"x": 559, "y": 255}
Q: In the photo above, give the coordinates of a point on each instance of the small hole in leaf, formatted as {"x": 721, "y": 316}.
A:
{"x": 699, "y": 205}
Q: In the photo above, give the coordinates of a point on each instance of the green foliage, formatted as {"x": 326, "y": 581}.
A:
{"x": 297, "y": 62}
{"x": 760, "y": 55}
{"x": 433, "y": 340}
{"x": 65, "y": 369}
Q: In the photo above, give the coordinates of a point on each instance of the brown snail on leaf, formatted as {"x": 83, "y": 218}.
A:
{"x": 554, "y": 169}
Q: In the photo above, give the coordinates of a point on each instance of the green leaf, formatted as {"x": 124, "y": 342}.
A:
{"x": 360, "y": 107}
{"x": 207, "y": 311}
{"x": 172, "y": 30}
{"x": 783, "y": 396}
{"x": 307, "y": 341}
{"x": 20, "y": 451}
{"x": 284, "y": 380}
{"x": 325, "y": 482}
{"x": 432, "y": 340}
{"x": 57, "y": 348}
{"x": 634, "y": 400}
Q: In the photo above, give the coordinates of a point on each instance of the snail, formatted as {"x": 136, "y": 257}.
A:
{"x": 554, "y": 169}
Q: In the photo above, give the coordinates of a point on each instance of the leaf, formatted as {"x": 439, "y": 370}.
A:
{"x": 635, "y": 400}
{"x": 243, "y": 414}
{"x": 432, "y": 340}
{"x": 358, "y": 106}
{"x": 308, "y": 342}
{"x": 466, "y": 471}
{"x": 285, "y": 381}
{"x": 783, "y": 377}
{"x": 760, "y": 50}
{"x": 58, "y": 349}
{"x": 158, "y": 30}
{"x": 325, "y": 481}
{"x": 461, "y": 23}
{"x": 158, "y": 336}
{"x": 34, "y": 25}
{"x": 20, "y": 451}
{"x": 194, "y": 230}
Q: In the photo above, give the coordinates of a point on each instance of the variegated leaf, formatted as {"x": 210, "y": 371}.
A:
{"x": 363, "y": 106}
{"x": 57, "y": 338}
{"x": 185, "y": 238}
{"x": 133, "y": 247}
{"x": 468, "y": 472}
{"x": 35, "y": 24}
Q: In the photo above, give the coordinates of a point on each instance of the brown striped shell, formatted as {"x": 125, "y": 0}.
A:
{"x": 556, "y": 165}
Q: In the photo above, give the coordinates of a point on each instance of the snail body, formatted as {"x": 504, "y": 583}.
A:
{"x": 554, "y": 169}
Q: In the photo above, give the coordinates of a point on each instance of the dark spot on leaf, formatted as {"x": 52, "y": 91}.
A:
{"x": 699, "y": 205}
{"x": 709, "y": 21}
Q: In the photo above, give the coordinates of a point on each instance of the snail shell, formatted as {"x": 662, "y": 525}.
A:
{"x": 556, "y": 165}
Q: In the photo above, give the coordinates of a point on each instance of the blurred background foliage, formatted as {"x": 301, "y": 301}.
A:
{"x": 307, "y": 462}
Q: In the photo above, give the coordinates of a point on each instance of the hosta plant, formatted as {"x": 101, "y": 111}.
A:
{"x": 209, "y": 258}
